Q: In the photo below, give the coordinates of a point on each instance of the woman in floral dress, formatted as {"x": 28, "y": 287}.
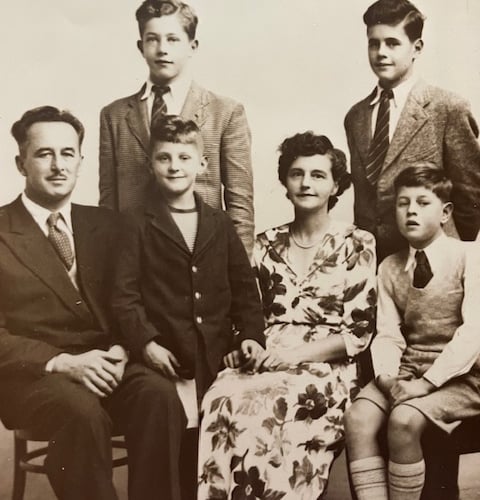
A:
{"x": 274, "y": 434}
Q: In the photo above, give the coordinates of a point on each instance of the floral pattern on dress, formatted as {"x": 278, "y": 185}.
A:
{"x": 274, "y": 435}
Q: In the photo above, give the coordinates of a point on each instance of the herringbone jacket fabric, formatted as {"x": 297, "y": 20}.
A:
{"x": 124, "y": 143}
{"x": 435, "y": 126}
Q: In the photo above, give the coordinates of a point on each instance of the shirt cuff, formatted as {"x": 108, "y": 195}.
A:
{"x": 50, "y": 365}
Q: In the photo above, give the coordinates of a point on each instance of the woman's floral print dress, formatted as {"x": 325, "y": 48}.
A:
{"x": 274, "y": 435}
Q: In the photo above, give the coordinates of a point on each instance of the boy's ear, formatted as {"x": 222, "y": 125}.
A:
{"x": 203, "y": 164}
{"x": 418, "y": 47}
{"x": 140, "y": 46}
{"x": 194, "y": 44}
{"x": 447, "y": 212}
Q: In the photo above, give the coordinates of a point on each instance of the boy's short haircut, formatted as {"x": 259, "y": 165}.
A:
{"x": 173, "y": 128}
{"x": 20, "y": 128}
{"x": 158, "y": 8}
{"x": 426, "y": 175}
{"x": 393, "y": 12}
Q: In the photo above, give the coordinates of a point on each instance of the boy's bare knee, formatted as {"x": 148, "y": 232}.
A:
{"x": 362, "y": 419}
{"x": 405, "y": 423}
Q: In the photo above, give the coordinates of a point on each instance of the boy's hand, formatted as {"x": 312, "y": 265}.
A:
{"x": 404, "y": 390}
{"x": 384, "y": 384}
{"x": 251, "y": 354}
{"x": 161, "y": 360}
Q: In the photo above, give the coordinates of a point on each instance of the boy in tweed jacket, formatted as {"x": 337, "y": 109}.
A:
{"x": 424, "y": 123}
{"x": 425, "y": 354}
{"x": 167, "y": 31}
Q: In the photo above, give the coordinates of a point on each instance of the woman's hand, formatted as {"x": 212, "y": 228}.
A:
{"x": 279, "y": 359}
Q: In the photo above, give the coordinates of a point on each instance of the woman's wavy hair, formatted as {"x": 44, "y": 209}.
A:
{"x": 309, "y": 144}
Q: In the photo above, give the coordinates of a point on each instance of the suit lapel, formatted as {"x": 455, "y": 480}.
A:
{"x": 137, "y": 119}
{"x": 207, "y": 226}
{"x": 196, "y": 105}
{"x": 412, "y": 119}
{"x": 159, "y": 217}
{"x": 86, "y": 235}
{"x": 31, "y": 247}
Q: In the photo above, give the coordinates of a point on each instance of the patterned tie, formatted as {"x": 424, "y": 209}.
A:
{"x": 59, "y": 240}
{"x": 159, "y": 107}
{"x": 423, "y": 273}
{"x": 380, "y": 142}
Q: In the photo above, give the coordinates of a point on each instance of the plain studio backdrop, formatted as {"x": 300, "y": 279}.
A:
{"x": 295, "y": 65}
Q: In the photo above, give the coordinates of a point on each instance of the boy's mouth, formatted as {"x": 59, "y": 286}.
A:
{"x": 412, "y": 223}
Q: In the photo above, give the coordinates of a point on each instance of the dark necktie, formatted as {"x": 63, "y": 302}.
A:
{"x": 423, "y": 273}
{"x": 59, "y": 239}
{"x": 159, "y": 108}
{"x": 380, "y": 142}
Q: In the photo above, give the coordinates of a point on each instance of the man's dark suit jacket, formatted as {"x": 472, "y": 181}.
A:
{"x": 41, "y": 312}
{"x": 166, "y": 293}
{"x": 435, "y": 126}
{"x": 124, "y": 155}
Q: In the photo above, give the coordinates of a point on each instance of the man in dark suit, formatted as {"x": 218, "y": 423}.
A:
{"x": 168, "y": 43}
{"x": 61, "y": 370}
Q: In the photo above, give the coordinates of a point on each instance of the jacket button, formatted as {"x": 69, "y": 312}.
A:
{"x": 78, "y": 303}
{"x": 194, "y": 269}
{"x": 197, "y": 295}
{"x": 199, "y": 320}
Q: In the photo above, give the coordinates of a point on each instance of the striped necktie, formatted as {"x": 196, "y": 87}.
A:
{"x": 159, "y": 107}
{"x": 380, "y": 142}
{"x": 59, "y": 240}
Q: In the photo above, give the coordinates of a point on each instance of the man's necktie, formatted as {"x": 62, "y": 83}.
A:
{"x": 59, "y": 239}
{"x": 380, "y": 142}
{"x": 423, "y": 273}
{"x": 159, "y": 107}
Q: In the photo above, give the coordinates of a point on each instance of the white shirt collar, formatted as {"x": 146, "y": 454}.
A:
{"x": 178, "y": 88}
{"x": 434, "y": 253}
{"x": 400, "y": 92}
{"x": 41, "y": 214}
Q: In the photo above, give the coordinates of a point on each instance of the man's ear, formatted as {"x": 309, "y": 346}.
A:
{"x": 19, "y": 163}
{"x": 447, "y": 211}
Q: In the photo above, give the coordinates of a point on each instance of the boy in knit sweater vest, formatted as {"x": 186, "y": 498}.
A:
{"x": 427, "y": 344}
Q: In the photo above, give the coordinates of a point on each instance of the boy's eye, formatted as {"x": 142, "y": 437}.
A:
{"x": 373, "y": 44}
{"x": 318, "y": 175}
{"x": 184, "y": 157}
{"x": 173, "y": 39}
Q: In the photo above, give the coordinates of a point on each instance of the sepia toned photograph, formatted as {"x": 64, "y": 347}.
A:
{"x": 239, "y": 251}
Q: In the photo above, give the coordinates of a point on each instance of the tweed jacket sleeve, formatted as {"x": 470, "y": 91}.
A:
{"x": 462, "y": 164}
{"x": 236, "y": 175}
{"x": 107, "y": 180}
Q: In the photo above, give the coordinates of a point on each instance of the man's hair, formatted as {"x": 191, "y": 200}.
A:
{"x": 173, "y": 128}
{"x": 44, "y": 114}
{"x": 393, "y": 12}
{"x": 158, "y": 8}
{"x": 426, "y": 175}
{"x": 309, "y": 144}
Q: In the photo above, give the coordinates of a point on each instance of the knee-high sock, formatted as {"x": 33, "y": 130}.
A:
{"x": 369, "y": 478}
{"x": 406, "y": 480}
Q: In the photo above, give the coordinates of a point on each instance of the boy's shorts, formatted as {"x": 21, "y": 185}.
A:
{"x": 446, "y": 407}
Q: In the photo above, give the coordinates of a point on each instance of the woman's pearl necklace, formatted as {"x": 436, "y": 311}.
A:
{"x": 303, "y": 245}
